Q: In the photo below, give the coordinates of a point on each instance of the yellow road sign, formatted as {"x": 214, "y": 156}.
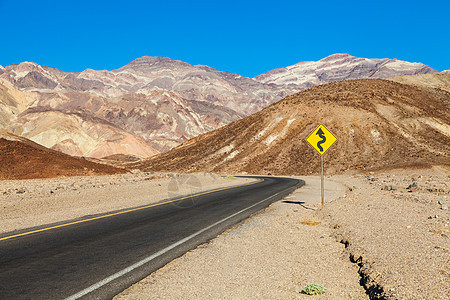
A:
{"x": 321, "y": 139}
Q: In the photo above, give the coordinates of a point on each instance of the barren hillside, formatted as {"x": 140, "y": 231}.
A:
{"x": 439, "y": 80}
{"x": 23, "y": 159}
{"x": 379, "y": 124}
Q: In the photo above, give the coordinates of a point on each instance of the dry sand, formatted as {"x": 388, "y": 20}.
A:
{"x": 399, "y": 237}
{"x": 29, "y": 203}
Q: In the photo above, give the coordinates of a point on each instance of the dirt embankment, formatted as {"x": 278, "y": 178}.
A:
{"x": 21, "y": 158}
{"x": 379, "y": 124}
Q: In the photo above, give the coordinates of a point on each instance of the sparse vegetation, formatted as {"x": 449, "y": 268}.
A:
{"x": 314, "y": 289}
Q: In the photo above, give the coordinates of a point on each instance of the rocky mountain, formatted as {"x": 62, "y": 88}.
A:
{"x": 41, "y": 117}
{"x": 339, "y": 67}
{"x": 202, "y": 83}
{"x": 23, "y": 159}
{"x": 148, "y": 106}
{"x": 379, "y": 124}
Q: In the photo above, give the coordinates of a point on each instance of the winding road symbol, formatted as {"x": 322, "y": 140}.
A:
{"x": 321, "y": 134}
{"x": 321, "y": 139}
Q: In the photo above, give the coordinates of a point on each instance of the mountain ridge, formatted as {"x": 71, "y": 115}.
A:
{"x": 151, "y": 104}
{"x": 341, "y": 66}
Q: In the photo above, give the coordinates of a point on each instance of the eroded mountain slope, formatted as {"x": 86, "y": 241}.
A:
{"x": 379, "y": 124}
{"x": 439, "y": 80}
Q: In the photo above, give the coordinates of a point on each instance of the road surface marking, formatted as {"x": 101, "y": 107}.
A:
{"x": 155, "y": 255}
{"x": 123, "y": 212}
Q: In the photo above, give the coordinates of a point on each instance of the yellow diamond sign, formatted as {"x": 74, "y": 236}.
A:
{"x": 321, "y": 139}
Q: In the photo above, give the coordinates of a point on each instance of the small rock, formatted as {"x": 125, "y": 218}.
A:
{"x": 22, "y": 190}
{"x": 441, "y": 201}
{"x": 412, "y": 185}
{"x": 444, "y": 235}
{"x": 48, "y": 191}
{"x": 393, "y": 188}
{"x": 444, "y": 207}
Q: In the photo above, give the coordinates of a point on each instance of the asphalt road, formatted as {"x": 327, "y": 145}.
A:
{"x": 99, "y": 256}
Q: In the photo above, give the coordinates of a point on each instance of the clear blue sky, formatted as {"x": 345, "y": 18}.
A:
{"x": 245, "y": 37}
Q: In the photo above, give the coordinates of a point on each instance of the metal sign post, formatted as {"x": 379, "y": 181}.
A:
{"x": 321, "y": 181}
{"x": 321, "y": 139}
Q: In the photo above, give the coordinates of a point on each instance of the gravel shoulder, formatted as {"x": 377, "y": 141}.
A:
{"x": 30, "y": 203}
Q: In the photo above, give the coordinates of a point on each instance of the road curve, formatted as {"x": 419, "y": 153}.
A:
{"x": 96, "y": 257}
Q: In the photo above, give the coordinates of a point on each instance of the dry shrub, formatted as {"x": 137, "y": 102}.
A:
{"x": 311, "y": 221}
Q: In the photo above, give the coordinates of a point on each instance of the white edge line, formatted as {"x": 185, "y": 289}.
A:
{"x": 155, "y": 255}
